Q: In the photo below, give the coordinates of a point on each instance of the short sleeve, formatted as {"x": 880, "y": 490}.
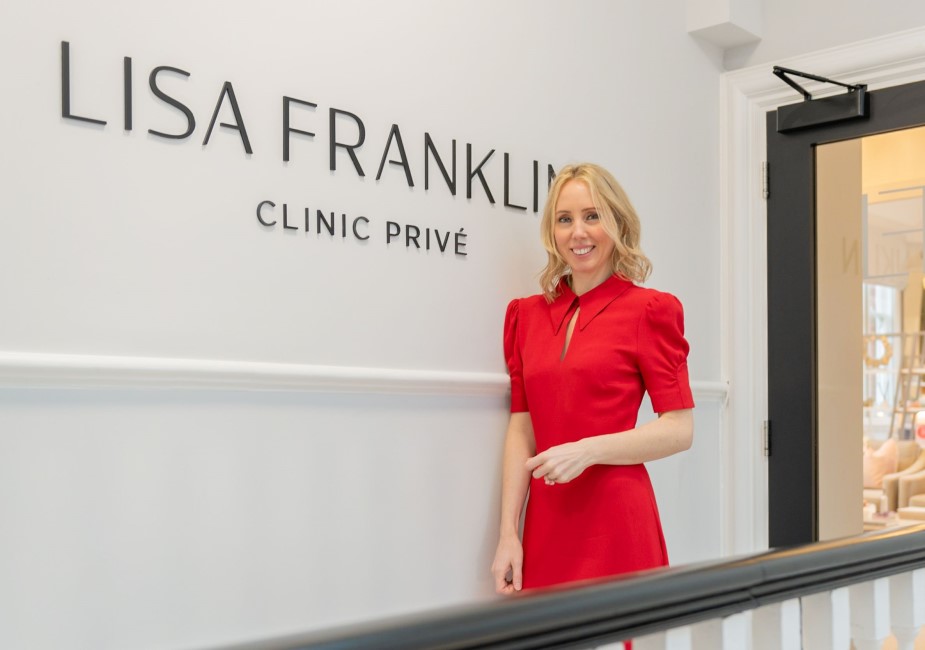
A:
{"x": 513, "y": 359}
{"x": 663, "y": 354}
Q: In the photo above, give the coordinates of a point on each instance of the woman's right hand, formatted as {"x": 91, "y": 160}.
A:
{"x": 508, "y": 565}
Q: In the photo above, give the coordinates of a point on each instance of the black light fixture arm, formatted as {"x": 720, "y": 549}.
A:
{"x": 783, "y": 72}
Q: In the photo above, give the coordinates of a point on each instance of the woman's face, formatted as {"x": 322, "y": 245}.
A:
{"x": 580, "y": 237}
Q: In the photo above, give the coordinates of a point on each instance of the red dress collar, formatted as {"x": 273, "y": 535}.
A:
{"x": 592, "y": 302}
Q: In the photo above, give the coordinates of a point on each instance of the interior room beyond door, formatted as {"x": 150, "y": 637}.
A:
{"x": 831, "y": 381}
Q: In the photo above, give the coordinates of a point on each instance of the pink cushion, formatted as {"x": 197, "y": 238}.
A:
{"x": 878, "y": 464}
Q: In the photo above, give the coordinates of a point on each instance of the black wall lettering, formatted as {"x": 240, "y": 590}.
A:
{"x": 66, "y": 87}
{"x": 287, "y": 129}
{"x": 470, "y": 173}
{"x": 507, "y": 184}
{"x": 393, "y": 152}
{"x": 260, "y": 216}
{"x": 460, "y": 242}
{"x": 412, "y": 238}
{"x": 334, "y": 144}
{"x": 228, "y": 91}
{"x": 442, "y": 243}
{"x": 392, "y": 230}
{"x": 395, "y": 134}
{"x": 127, "y": 92}
{"x": 327, "y": 226}
{"x": 429, "y": 148}
{"x": 167, "y": 99}
{"x": 355, "y": 232}
{"x": 286, "y": 225}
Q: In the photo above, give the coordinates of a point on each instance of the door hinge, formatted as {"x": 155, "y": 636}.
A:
{"x": 764, "y": 180}
{"x": 766, "y": 437}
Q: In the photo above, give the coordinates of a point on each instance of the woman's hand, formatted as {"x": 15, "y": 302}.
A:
{"x": 562, "y": 463}
{"x": 671, "y": 432}
{"x": 508, "y": 565}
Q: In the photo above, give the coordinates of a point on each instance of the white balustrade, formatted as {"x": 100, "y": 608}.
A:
{"x": 678, "y": 638}
{"x": 826, "y": 620}
{"x": 870, "y": 613}
{"x": 861, "y": 616}
{"x": 907, "y": 607}
{"x": 777, "y": 626}
{"x": 716, "y": 634}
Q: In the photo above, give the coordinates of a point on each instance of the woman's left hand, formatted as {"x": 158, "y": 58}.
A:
{"x": 562, "y": 463}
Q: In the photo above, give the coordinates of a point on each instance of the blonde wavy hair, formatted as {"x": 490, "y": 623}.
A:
{"x": 618, "y": 218}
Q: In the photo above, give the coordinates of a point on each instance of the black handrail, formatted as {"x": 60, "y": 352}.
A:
{"x": 597, "y": 612}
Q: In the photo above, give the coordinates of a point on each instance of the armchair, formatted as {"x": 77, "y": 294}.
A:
{"x": 891, "y": 497}
{"x": 910, "y": 486}
{"x": 896, "y": 496}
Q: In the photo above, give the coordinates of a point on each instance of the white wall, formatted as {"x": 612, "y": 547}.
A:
{"x": 794, "y": 27}
{"x": 167, "y": 519}
{"x": 174, "y": 517}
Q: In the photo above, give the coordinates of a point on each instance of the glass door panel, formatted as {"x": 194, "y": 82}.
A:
{"x": 870, "y": 218}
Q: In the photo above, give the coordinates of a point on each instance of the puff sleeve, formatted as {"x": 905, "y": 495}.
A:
{"x": 663, "y": 354}
{"x": 513, "y": 359}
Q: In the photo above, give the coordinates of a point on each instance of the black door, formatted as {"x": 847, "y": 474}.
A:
{"x": 792, "y": 375}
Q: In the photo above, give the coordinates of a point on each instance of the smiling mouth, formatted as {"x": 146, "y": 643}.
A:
{"x": 582, "y": 251}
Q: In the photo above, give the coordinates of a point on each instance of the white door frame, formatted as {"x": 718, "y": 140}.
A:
{"x": 745, "y": 97}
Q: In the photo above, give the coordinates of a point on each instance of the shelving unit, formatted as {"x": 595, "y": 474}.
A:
{"x": 908, "y": 385}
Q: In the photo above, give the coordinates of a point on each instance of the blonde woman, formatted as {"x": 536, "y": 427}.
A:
{"x": 580, "y": 357}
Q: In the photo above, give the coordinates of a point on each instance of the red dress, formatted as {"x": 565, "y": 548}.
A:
{"x": 627, "y": 340}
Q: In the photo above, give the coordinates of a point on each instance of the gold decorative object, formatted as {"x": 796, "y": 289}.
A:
{"x": 873, "y": 360}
